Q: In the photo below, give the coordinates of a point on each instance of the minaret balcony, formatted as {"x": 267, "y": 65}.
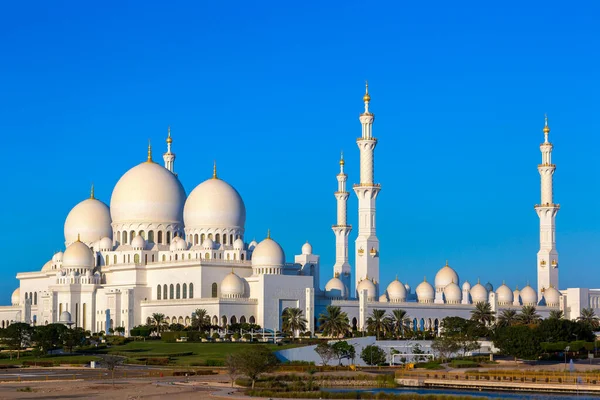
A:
{"x": 547, "y": 205}
{"x": 546, "y": 165}
{"x": 377, "y": 185}
{"x": 362, "y": 139}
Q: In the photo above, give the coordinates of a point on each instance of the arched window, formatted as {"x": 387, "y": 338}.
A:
{"x": 131, "y": 235}
{"x": 210, "y": 236}
{"x": 158, "y": 292}
{"x": 218, "y": 238}
{"x": 242, "y": 256}
{"x": 115, "y": 259}
{"x": 168, "y": 237}
{"x": 171, "y": 292}
{"x": 124, "y": 237}
{"x": 227, "y": 253}
{"x": 26, "y": 296}
{"x": 184, "y": 291}
{"x": 164, "y": 258}
{"x": 107, "y": 260}
{"x": 231, "y": 239}
{"x": 160, "y": 235}
{"x": 214, "y": 290}
{"x": 143, "y": 234}
{"x": 252, "y": 320}
{"x": 191, "y": 290}
{"x": 234, "y": 256}
{"x": 242, "y": 319}
{"x": 152, "y": 257}
{"x": 233, "y": 320}
{"x": 207, "y": 256}
{"x": 202, "y": 237}
{"x": 151, "y": 236}
{"x": 175, "y": 257}
{"x": 35, "y": 298}
{"x": 196, "y": 239}
{"x": 178, "y": 293}
{"x": 119, "y": 236}
{"x": 128, "y": 258}
{"x": 165, "y": 292}
{"x": 224, "y": 239}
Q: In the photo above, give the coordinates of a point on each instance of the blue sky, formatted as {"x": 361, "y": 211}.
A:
{"x": 272, "y": 91}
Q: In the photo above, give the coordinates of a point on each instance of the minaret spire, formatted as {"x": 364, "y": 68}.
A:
{"x": 367, "y": 243}
{"x": 547, "y": 257}
{"x": 92, "y": 192}
{"x": 149, "y": 152}
{"x": 341, "y": 229}
{"x": 215, "y": 170}
{"x": 169, "y": 156}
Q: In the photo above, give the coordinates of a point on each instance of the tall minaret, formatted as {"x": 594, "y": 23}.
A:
{"x": 341, "y": 229}
{"x": 367, "y": 244}
{"x": 168, "y": 156}
{"x": 547, "y": 257}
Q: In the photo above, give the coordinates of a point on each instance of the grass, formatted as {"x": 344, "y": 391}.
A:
{"x": 201, "y": 352}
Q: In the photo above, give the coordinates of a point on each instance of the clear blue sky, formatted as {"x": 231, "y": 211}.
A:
{"x": 273, "y": 92}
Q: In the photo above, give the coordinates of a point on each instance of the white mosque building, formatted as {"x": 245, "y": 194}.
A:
{"x": 157, "y": 250}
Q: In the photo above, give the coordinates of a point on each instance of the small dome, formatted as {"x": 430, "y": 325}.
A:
{"x": 452, "y": 293}
{"x": 252, "y": 245}
{"x": 479, "y": 293}
{"x": 466, "y": 286}
{"x": 504, "y": 295}
{"x": 57, "y": 258}
{"x": 88, "y": 220}
{"x": 335, "y": 289}
{"x": 181, "y": 243}
{"x": 489, "y": 287}
{"x": 105, "y": 244}
{"x": 552, "y": 297}
{"x": 214, "y": 204}
{"x": 78, "y": 255}
{"x": 445, "y": 276}
{"x": 138, "y": 243}
{"x": 238, "y": 244}
{"x": 232, "y": 286}
{"x": 208, "y": 244}
{"x": 425, "y": 292}
{"x": 306, "y": 248}
{"x": 396, "y": 291}
{"x": 369, "y": 286}
{"x": 47, "y": 266}
{"x": 407, "y": 287}
{"x": 528, "y": 296}
{"x": 65, "y": 318}
{"x": 383, "y": 298}
{"x": 268, "y": 253}
{"x": 16, "y": 297}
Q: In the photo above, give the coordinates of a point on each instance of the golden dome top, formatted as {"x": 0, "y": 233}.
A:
{"x": 342, "y": 162}
{"x": 169, "y": 139}
{"x": 366, "y": 97}
{"x": 546, "y": 127}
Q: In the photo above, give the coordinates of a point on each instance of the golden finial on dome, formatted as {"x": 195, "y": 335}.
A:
{"x": 366, "y": 97}
{"x": 215, "y": 170}
{"x": 546, "y": 127}
{"x": 269, "y": 233}
{"x": 342, "y": 162}
{"x": 425, "y": 279}
{"x": 92, "y": 192}
{"x": 79, "y": 237}
{"x": 169, "y": 139}
{"x": 149, "y": 152}
{"x": 396, "y": 277}
{"x": 447, "y": 263}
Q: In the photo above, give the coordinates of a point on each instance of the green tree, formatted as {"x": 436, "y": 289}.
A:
{"x": 373, "y": 355}
{"x": 519, "y": 341}
{"x": 256, "y": 361}
{"x": 588, "y": 317}
{"x": 201, "y": 320}
{"x": 556, "y": 314}
{"x": 158, "y": 320}
{"x": 292, "y": 321}
{"x": 507, "y": 318}
{"x": 17, "y": 336}
{"x": 334, "y": 322}
{"x": 176, "y": 327}
{"x": 378, "y": 322}
{"x": 445, "y": 346}
{"x": 483, "y": 314}
{"x": 325, "y": 351}
{"x": 400, "y": 323}
{"x": 72, "y": 337}
{"x": 48, "y": 337}
{"x": 529, "y": 316}
{"x": 343, "y": 350}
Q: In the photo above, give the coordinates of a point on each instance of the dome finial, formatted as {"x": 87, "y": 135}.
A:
{"x": 546, "y": 128}
{"x": 149, "y": 152}
{"x": 215, "y": 170}
{"x": 425, "y": 279}
{"x": 342, "y": 162}
{"x": 92, "y": 192}
{"x": 169, "y": 139}
{"x": 366, "y": 97}
{"x": 269, "y": 233}
{"x": 447, "y": 263}
{"x": 79, "y": 237}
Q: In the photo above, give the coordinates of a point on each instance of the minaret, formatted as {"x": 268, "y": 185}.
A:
{"x": 547, "y": 257}
{"x": 341, "y": 229}
{"x": 168, "y": 156}
{"x": 367, "y": 244}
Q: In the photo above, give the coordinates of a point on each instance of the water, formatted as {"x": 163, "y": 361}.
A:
{"x": 474, "y": 393}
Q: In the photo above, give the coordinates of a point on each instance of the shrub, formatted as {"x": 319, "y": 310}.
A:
{"x": 214, "y": 363}
{"x": 216, "y": 335}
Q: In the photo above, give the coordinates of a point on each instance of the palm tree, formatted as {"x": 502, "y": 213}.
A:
{"x": 556, "y": 314}
{"x": 293, "y": 321}
{"x": 334, "y": 322}
{"x": 400, "y": 322}
{"x": 507, "y": 318}
{"x": 201, "y": 319}
{"x": 529, "y": 315}
{"x": 378, "y": 322}
{"x": 159, "y": 321}
{"x": 588, "y": 317}
{"x": 483, "y": 313}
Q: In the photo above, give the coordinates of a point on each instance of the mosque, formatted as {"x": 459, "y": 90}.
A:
{"x": 157, "y": 250}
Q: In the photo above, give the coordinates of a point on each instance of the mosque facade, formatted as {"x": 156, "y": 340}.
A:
{"x": 156, "y": 249}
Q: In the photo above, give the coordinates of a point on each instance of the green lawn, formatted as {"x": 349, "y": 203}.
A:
{"x": 202, "y": 352}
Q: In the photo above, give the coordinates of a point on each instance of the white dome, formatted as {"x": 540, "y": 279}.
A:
{"x": 180, "y": 243}
{"x": 335, "y": 289}
{"x": 90, "y": 220}
{"x": 479, "y": 293}
{"x": 15, "y": 299}
{"x": 466, "y": 286}
{"x": 383, "y": 298}
{"x": 173, "y": 245}
{"x": 147, "y": 193}
{"x": 396, "y": 291}
{"x": 65, "y": 317}
{"x": 268, "y": 253}
{"x": 504, "y": 295}
{"x": 78, "y": 255}
{"x": 208, "y": 244}
{"x": 369, "y": 286}
{"x": 56, "y": 258}
{"x": 214, "y": 204}
{"x": 445, "y": 276}
{"x": 528, "y": 296}
{"x": 425, "y": 292}
{"x": 238, "y": 244}
{"x": 47, "y": 266}
{"x": 552, "y": 297}
{"x": 138, "y": 243}
{"x": 232, "y": 286}
{"x": 105, "y": 244}
{"x": 452, "y": 293}
{"x": 307, "y": 248}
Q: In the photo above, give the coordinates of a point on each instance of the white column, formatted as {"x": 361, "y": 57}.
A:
{"x": 309, "y": 311}
{"x": 342, "y": 230}
{"x": 362, "y": 310}
{"x": 169, "y": 157}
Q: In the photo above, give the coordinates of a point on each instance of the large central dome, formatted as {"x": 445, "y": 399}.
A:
{"x": 147, "y": 193}
{"x": 214, "y": 204}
